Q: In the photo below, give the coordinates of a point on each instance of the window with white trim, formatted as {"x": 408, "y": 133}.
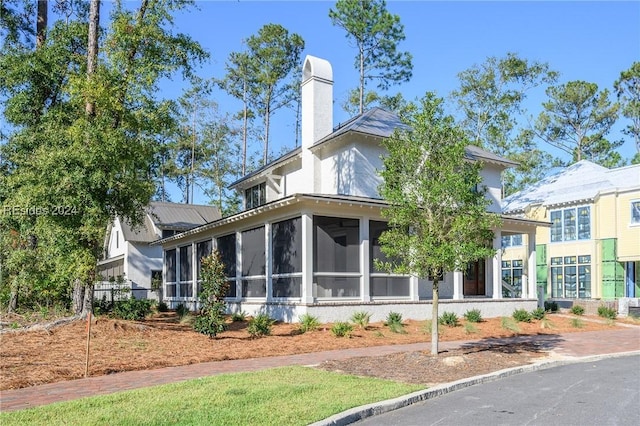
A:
{"x": 203, "y": 249}
{"x": 635, "y": 212}
{"x": 185, "y": 289}
{"x": 511, "y": 240}
{"x": 254, "y": 279}
{"x": 512, "y": 276}
{"x": 226, "y": 247}
{"x": 383, "y": 284}
{"x": 571, "y": 277}
{"x": 570, "y": 224}
{"x": 170, "y": 272}
{"x": 255, "y": 196}
{"x": 286, "y": 258}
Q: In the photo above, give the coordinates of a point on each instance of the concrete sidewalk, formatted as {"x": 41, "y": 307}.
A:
{"x": 568, "y": 345}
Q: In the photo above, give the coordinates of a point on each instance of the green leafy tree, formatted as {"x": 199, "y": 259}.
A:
{"x": 627, "y": 88}
{"x": 376, "y": 34}
{"x": 490, "y": 100}
{"x": 215, "y": 286}
{"x": 84, "y": 129}
{"x": 576, "y": 119}
{"x": 273, "y": 55}
{"x": 437, "y": 221}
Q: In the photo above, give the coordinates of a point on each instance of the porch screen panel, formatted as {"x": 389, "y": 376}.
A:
{"x": 186, "y": 273}
{"x": 203, "y": 249}
{"x": 287, "y": 258}
{"x": 336, "y": 257}
{"x": 253, "y": 263}
{"x": 226, "y": 247}
{"x": 170, "y": 268}
{"x": 383, "y": 284}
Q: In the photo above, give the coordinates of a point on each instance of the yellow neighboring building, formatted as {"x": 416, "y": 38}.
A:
{"x": 592, "y": 249}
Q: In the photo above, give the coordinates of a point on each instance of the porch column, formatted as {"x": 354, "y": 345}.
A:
{"x": 307, "y": 258}
{"x": 496, "y": 266}
{"x": 458, "y": 290}
{"x": 267, "y": 262}
{"x": 365, "y": 261}
{"x": 531, "y": 266}
{"x": 194, "y": 275}
{"x": 414, "y": 291}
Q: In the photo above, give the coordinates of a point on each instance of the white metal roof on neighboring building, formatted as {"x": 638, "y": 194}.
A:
{"x": 580, "y": 182}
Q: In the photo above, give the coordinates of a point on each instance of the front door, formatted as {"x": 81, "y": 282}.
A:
{"x": 474, "y": 279}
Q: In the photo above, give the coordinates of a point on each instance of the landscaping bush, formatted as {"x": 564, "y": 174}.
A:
{"x": 508, "y": 324}
{"x": 211, "y": 320}
{"x": 607, "y": 312}
{"x": 538, "y": 313}
{"x": 239, "y": 316}
{"x": 260, "y": 325}
{"x": 361, "y": 318}
{"x": 469, "y": 328}
{"x": 473, "y": 315}
{"x": 132, "y": 309}
{"x": 550, "y": 306}
{"x": 393, "y": 317}
{"x": 181, "y": 310}
{"x": 162, "y": 307}
{"x": 521, "y": 315}
{"x": 577, "y": 310}
{"x": 309, "y": 323}
{"x": 342, "y": 329}
{"x": 449, "y": 319}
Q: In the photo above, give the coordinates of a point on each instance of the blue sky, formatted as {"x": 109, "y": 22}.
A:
{"x": 591, "y": 41}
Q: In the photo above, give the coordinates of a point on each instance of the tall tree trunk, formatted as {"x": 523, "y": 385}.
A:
{"x": 434, "y": 318}
{"x": 361, "y": 108}
{"x": 244, "y": 128}
{"x": 13, "y": 300}
{"x": 267, "y": 115}
{"x": 41, "y": 23}
{"x": 78, "y": 297}
{"x": 92, "y": 52}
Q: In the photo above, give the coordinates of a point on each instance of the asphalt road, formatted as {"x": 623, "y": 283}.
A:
{"x": 605, "y": 392}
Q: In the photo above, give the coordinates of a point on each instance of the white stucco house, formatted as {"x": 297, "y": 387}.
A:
{"x": 307, "y": 237}
{"x": 127, "y": 250}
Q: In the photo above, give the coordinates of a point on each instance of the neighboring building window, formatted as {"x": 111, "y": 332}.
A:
{"x": 511, "y": 240}
{"x": 383, "y": 284}
{"x": 635, "y": 212}
{"x": 336, "y": 257}
{"x": 170, "y": 271}
{"x": 255, "y": 196}
{"x": 226, "y": 247}
{"x": 254, "y": 283}
{"x": 203, "y": 249}
{"x": 570, "y": 224}
{"x": 571, "y": 277}
{"x": 512, "y": 276}
{"x": 186, "y": 272}
{"x": 287, "y": 258}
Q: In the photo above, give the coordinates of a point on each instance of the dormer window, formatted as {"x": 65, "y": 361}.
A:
{"x": 255, "y": 196}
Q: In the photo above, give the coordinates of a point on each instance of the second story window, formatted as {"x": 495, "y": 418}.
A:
{"x": 511, "y": 240}
{"x": 635, "y": 212}
{"x": 255, "y": 196}
{"x": 571, "y": 224}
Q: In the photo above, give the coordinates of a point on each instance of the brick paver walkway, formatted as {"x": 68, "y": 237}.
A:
{"x": 565, "y": 345}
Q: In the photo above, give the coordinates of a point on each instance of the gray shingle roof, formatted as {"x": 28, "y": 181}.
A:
{"x": 173, "y": 216}
{"x": 581, "y": 181}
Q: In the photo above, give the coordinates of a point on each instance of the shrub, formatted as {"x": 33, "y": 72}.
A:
{"x": 132, "y": 309}
{"x": 577, "y": 310}
{"x": 342, "y": 329}
{"x": 361, "y": 318}
{"x": 508, "y": 324}
{"x": 473, "y": 315}
{"x": 393, "y": 317}
{"x": 397, "y": 327}
{"x": 239, "y": 316}
{"x": 260, "y": 325}
{"x": 550, "y": 306}
{"x": 309, "y": 323}
{"x": 521, "y": 315}
{"x": 162, "y": 307}
{"x": 546, "y": 323}
{"x": 607, "y": 312}
{"x": 181, "y": 310}
{"x": 538, "y": 313}
{"x": 469, "y": 328}
{"x": 211, "y": 320}
{"x": 449, "y": 319}
{"x": 577, "y": 323}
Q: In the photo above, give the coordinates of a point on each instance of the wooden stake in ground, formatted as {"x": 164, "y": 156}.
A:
{"x": 86, "y": 365}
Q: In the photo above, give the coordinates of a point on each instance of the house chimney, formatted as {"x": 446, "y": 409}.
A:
{"x": 317, "y": 100}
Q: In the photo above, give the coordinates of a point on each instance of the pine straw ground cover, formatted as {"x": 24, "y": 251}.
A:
{"x": 35, "y": 357}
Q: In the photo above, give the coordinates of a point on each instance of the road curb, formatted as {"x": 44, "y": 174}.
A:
{"x": 364, "y": 411}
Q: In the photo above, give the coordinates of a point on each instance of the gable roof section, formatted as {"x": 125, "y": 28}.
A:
{"x": 180, "y": 217}
{"x": 580, "y": 182}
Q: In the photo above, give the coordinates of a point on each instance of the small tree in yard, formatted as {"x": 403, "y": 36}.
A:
{"x": 437, "y": 214}
{"x": 211, "y": 320}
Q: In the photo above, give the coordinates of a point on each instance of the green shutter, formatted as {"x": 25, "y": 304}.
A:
{"x": 612, "y": 271}
{"x": 541, "y": 267}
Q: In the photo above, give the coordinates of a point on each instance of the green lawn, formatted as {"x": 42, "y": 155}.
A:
{"x": 282, "y": 396}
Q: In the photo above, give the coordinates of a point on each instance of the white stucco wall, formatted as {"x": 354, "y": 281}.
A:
{"x": 491, "y": 178}
{"x": 116, "y": 245}
{"x": 351, "y": 170}
{"x": 139, "y": 263}
{"x": 292, "y": 179}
